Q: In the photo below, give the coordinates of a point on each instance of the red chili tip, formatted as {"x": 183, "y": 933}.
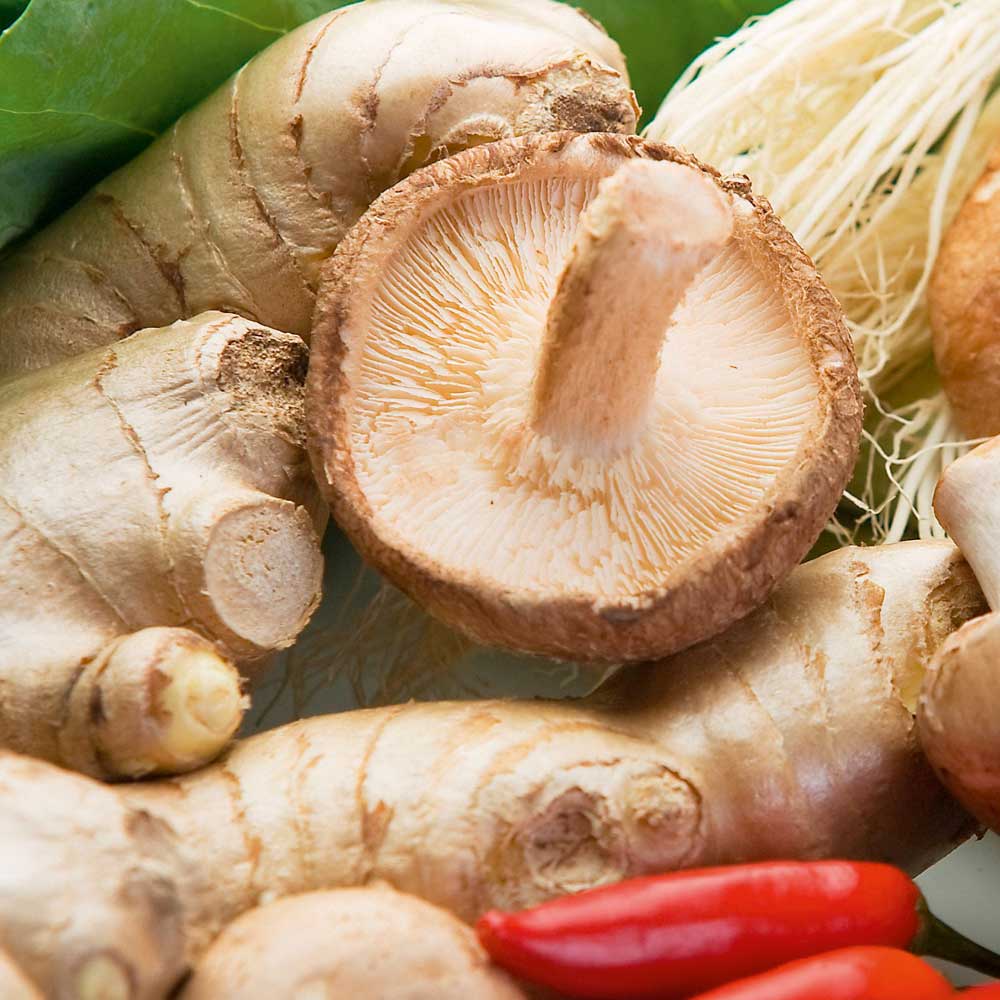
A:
{"x": 524, "y": 953}
{"x": 491, "y": 929}
{"x": 488, "y": 925}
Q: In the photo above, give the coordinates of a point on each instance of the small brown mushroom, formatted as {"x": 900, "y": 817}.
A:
{"x": 964, "y": 302}
{"x": 580, "y": 396}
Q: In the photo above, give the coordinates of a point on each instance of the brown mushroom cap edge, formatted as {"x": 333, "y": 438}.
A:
{"x": 728, "y": 576}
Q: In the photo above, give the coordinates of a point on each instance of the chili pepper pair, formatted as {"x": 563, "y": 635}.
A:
{"x": 675, "y": 936}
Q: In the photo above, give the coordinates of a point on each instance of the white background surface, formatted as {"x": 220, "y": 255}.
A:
{"x": 964, "y": 891}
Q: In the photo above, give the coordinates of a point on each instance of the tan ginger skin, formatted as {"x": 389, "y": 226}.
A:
{"x": 238, "y": 205}
{"x": 792, "y": 735}
{"x": 14, "y": 984}
{"x": 172, "y": 490}
{"x": 366, "y": 942}
{"x": 959, "y": 717}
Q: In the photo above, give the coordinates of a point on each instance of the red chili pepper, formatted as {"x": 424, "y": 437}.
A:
{"x": 848, "y": 974}
{"x": 671, "y": 936}
{"x": 989, "y": 992}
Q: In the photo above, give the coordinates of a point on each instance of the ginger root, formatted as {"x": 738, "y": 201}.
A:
{"x": 791, "y": 735}
{"x": 238, "y": 205}
{"x": 158, "y": 482}
{"x": 14, "y": 985}
{"x": 370, "y": 942}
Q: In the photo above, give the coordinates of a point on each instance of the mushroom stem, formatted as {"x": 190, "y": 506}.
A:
{"x": 639, "y": 245}
{"x": 967, "y": 503}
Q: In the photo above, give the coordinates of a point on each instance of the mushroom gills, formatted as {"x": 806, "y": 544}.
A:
{"x": 580, "y": 396}
{"x": 443, "y": 436}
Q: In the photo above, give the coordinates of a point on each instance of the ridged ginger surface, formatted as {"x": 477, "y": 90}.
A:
{"x": 792, "y": 735}
{"x": 157, "y": 482}
{"x": 240, "y": 202}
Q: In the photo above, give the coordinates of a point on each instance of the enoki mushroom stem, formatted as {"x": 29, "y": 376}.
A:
{"x": 639, "y": 245}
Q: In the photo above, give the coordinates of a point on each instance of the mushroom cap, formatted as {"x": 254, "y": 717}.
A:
{"x": 425, "y": 345}
{"x": 964, "y": 303}
{"x": 967, "y": 503}
{"x": 959, "y": 724}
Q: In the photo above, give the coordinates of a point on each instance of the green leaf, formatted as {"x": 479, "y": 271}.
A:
{"x": 87, "y": 83}
{"x": 661, "y": 37}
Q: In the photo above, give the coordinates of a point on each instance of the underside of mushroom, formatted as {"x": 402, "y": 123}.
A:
{"x": 580, "y": 396}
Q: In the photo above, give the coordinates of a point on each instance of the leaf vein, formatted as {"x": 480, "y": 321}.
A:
{"x": 90, "y": 115}
{"x": 200, "y": 5}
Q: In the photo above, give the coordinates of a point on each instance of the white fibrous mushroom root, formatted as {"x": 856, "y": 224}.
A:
{"x": 580, "y": 396}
